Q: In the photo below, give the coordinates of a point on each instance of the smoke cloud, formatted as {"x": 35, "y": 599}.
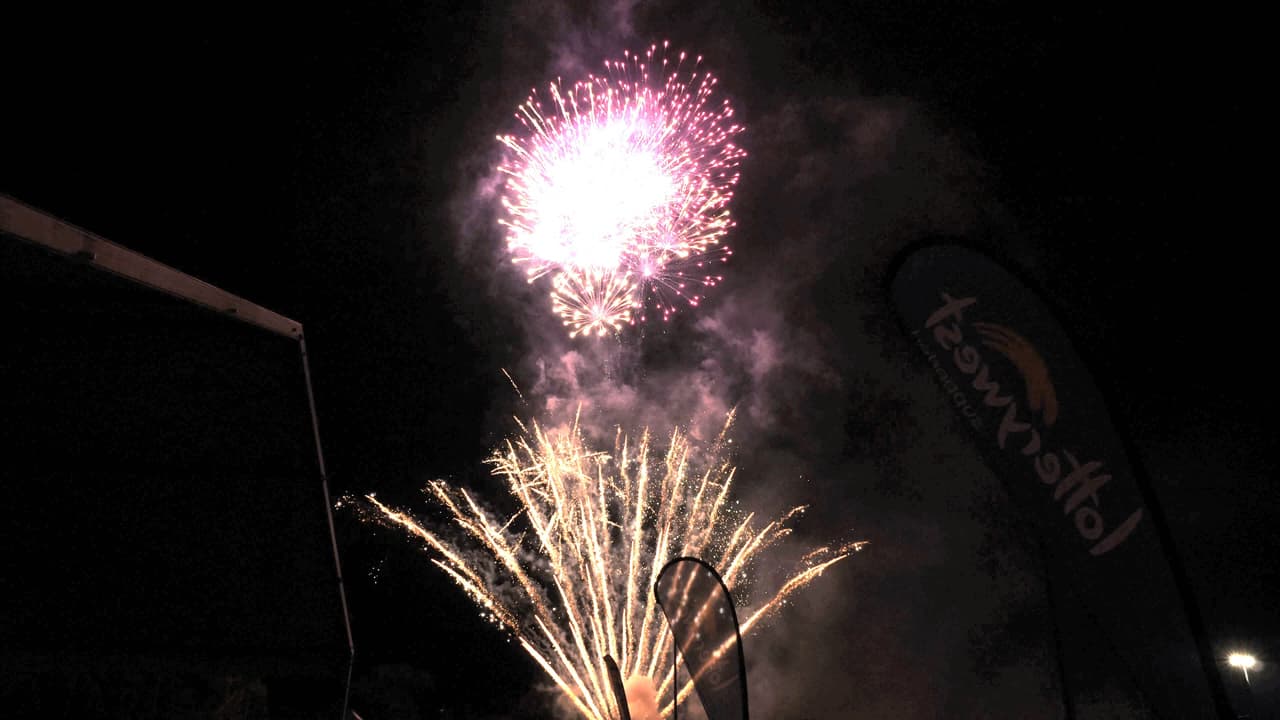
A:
{"x": 800, "y": 343}
{"x": 642, "y": 698}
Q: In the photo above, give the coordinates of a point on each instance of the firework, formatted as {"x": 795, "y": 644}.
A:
{"x": 569, "y": 572}
{"x": 593, "y": 301}
{"x": 625, "y": 180}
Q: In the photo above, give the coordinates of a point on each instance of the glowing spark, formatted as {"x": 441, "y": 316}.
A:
{"x": 623, "y": 187}
{"x": 570, "y": 571}
{"x": 514, "y": 386}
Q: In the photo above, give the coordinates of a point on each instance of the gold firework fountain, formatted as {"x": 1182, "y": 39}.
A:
{"x": 570, "y": 572}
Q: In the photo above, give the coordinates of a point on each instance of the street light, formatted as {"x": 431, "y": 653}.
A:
{"x": 1244, "y": 661}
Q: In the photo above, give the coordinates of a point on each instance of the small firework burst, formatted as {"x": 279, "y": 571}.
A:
{"x": 593, "y": 301}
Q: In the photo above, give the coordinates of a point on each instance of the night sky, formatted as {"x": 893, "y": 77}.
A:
{"x": 331, "y": 164}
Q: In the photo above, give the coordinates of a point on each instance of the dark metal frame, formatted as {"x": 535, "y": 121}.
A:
{"x": 27, "y": 223}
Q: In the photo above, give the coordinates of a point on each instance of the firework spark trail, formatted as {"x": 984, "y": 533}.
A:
{"x": 620, "y": 191}
{"x": 569, "y": 573}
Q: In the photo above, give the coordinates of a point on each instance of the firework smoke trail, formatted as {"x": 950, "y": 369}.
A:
{"x": 570, "y": 573}
{"x": 621, "y": 191}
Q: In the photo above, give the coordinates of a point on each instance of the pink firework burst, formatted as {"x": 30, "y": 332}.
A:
{"x": 620, "y": 191}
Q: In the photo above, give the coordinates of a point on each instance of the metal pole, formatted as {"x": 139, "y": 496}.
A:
{"x": 328, "y": 511}
{"x": 1068, "y": 707}
{"x": 1195, "y": 619}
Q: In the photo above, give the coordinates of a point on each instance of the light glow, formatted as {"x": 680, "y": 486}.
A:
{"x": 1244, "y": 661}
{"x": 625, "y": 180}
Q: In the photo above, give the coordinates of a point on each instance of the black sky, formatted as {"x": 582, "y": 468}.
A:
{"x": 324, "y": 163}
